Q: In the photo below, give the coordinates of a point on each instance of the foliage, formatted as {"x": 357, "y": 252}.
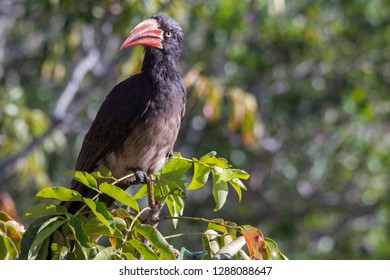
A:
{"x": 62, "y": 235}
{"x": 11, "y": 233}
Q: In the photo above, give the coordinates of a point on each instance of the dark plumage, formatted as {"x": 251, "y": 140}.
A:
{"x": 136, "y": 127}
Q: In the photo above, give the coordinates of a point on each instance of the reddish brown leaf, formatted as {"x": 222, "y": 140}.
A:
{"x": 255, "y": 241}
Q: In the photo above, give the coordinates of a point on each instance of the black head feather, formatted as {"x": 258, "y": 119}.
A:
{"x": 161, "y": 63}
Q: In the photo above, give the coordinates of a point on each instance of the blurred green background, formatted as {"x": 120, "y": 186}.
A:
{"x": 294, "y": 92}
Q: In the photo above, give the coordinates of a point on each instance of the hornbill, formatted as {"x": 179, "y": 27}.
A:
{"x": 136, "y": 126}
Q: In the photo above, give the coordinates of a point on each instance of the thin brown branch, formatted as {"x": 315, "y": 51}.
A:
{"x": 197, "y": 219}
{"x": 154, "y": 206}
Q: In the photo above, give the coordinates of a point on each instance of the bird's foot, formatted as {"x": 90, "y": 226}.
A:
{"x": 140, "y": 177}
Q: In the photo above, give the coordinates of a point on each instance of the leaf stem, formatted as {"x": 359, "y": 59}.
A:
{"x": 197, "y": 219}
{"x": 147, "y": 208}
{"x": 99, "y": 192}
{"x": 191, "y": 233}
{"x": 122, "y": 178}
{"x": 85, "y": 205}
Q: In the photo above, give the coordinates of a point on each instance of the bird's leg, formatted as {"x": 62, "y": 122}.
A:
{"x": 140, "y": 177}
{"x": 154, "y": 206}
{"x": 150, "y": 186}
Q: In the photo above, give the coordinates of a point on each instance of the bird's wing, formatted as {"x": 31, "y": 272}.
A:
{"x": 184, "y": 98}
{"x": 124, "y": 105}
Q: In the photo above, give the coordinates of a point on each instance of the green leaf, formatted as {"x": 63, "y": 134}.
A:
{"x": 172, "y": 176}
{"x": 121, "y": 213}
{"x": 156, "y": 238}
{"x": 227, "y": 175}
{"x": 200, "y": 177}
{"x": 217, "y": 224}
{"x": 58, "y": 246}
{"x": 209, "y": 158}
{"x": 220, "y": 191}
{"x": 170, "y": 185}
{"x": 91, "y": 180}
{"x": 59, "y": 193}
{"x": 240, "y": 174}
{"x": 82, "y": 239}
{"x": 120, "y": 223}
{"x": 130, "y": 256}
{"x": 57, "y": 237}
{"x": 106, "y": 254}
{"x": 11, "y": 241}
{"x": 119, "y": 195}
{"x": 96, "y": 227}
{"x": 100, "y": 212}
{"x": 5, "y": 217}
{"x": 83, "y": 177}
{"x": 8, "y": 250}
{"x": 141, "y": 192}
{"x": 175, "y": 168}
{"x": 44, "y": 250}
{"x": 274, "y": 250}
{"x": 28, "y": 237}
{"x": 222, "y": 162}
{"x": 211, "y": 154}
{"x": 210, "y": 243}
{"x": 45, "y": 230}
{"x": 230, "y": 174}
{"x": 102, "y": 173}
{"x": 175, "y": 196}
{"x": 237, "y": 186}
{"x": 60, "y": 251}
{"x": 144, "y": 250}
{"x": 175, "y": 204}
{"x": 44, "y": 209}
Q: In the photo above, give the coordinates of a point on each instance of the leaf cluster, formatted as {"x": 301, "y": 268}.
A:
{"x": 11, "y": 232}
{"x": 99, "y": 232}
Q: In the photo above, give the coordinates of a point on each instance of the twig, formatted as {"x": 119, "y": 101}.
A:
{"x": 154, "y": 207}
{"x": 150, "y": 186}
{"x": 196, "y": 219}
{"x": 136, "y": 218}
{"x": 122, "y": 178}
{"x": 192, "y": 233}
{"x": 131, "y": 226}
{"x": 73, "y": 86}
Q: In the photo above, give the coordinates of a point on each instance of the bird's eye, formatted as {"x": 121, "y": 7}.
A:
{"x": 167, "y": 34}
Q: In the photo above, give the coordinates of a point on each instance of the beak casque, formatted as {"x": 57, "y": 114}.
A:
{"x": 146, "y": 33}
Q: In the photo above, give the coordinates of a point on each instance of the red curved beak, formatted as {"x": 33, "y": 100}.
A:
{"x": 146, "y": 33}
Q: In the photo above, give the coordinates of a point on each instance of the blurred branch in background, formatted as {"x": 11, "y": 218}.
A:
{"x": 60, "y": 116}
